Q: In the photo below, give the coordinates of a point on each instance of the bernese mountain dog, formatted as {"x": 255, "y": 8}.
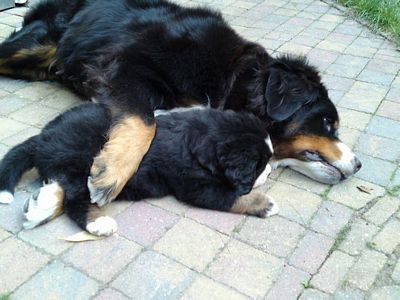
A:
{"x": 205, "y": 157}
{"x": 136, "y": 56}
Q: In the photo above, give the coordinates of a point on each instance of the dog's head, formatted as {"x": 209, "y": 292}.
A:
{"x": 304, "y": 123}
{"x": 232, "y": 146}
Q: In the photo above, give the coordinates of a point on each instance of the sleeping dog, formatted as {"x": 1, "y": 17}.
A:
{"x": 205, "y": 157}
{"x": 138, "y": 56}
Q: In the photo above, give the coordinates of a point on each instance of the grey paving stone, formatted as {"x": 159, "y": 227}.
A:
{"x": 274, "y": 235}
{"x": 34, "y": 114}
{"x": 385, "y": 66}
{"x": 57, "y": 281}
{"x": 15, "y": 257}
{"x": 61, "y": 100}
{"x": 331, "y": 218}
{"x": 153, "y": 276}
{"x": 332, "y": 272}
{"x": 36, "y": 91}
{"x": 169, "y": 203}
{"x": 364, "y": 271}
{"x": 3, "y": 234}
{"x": 246, "y": 269}
{"x": 11, "y": 215}
{"x": 389, "y": 110}
{"x": 394, "y": 94}
{"x": 185, "y": 243}
{"x": 382, "y": 210}
{"x": 343, "y": 70}
{"x": 3, "y": 150}
{"x": 353, "y": 119}
{"x": 349, "y": 293}
{"x": 349, "y": 136}
{"x": 47, "y": 236}
{"x": 364, "y": 97}
{"x": 205, "y": 288}
{"x": 337, "y": 82}
{"x": 384, "y": 127}
{"x": 21, "y": 136}
{"x": 396, "y": 272}
{"x": 389, "y": 237}
{"x": 12, "y": 85}
{"x": 360, "y": 234}
{"x": 289, "y": 285}
{"x": 375, "y": 170}
{"x": 10, "y": 127}
{"x": 315, "y": 243}
{"x": 295, "y": 204}
{"x": 386, "y": 292}
{"x": 312, "y": 294}
{"x": 98, "y": 265}
{"x": 380, "y": 147}
{"x": 347, "y": 192}
{"x": 11, "y": 103}
{"x": 110, "y": 294}
{"x": 376, "y": 77}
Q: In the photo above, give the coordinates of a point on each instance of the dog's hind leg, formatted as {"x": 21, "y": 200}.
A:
{"x": 86, "y": 215}
{"x": 28, "y": 53}
{"x": 44, "y": 205}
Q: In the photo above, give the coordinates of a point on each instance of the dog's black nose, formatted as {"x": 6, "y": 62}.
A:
{"x": 358, "y": 165}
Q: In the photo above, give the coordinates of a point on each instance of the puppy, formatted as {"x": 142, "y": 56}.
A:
{"x": 204, "y": 157}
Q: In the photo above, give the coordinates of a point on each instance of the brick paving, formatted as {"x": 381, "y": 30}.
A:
{"x": 326, "y": 243}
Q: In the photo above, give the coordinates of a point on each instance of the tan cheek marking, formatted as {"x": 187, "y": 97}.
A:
{"x": 336, "y": 125}
{"x": 326, "y": 147}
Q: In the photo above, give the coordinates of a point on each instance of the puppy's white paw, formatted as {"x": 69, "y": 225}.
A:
{"x": 102, "y": 226}
{"x": 273, "y": 208}
{"x": 263, "y": 176}
{"x": 43, "y": 206}
{"x": 6, "y": 197}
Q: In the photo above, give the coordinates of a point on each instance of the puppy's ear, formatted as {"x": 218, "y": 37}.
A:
{"x": 286, "y": 92}
{"x": 239, "y": 161}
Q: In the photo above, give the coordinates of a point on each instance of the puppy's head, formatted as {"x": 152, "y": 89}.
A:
{"x": 234, "y": 147}
{"x": 304, "y": 123}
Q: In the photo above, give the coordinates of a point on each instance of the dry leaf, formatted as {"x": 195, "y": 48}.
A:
{"x": 82, "y": 236}
{"x": 365, "y": 189}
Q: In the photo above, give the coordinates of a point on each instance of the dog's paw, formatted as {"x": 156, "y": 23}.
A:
{"x": 6, "y": 197}
{"x": 102, "y": 226}
{"x": 43, "y": 205}
{"x": 267, "y": 207}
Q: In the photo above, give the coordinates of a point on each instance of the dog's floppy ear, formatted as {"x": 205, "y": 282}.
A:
{"x": 239, "y": 161}
{"x": 286, "y": 92}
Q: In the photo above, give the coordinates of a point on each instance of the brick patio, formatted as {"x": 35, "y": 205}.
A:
{"x": 326, "y": 243}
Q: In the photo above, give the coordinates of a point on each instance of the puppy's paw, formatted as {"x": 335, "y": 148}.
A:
{"x": 6, "y": 197}
{"x": 102, "y": 226}
{"x": 269, "y": 208}
{"x": 43, "y": 205}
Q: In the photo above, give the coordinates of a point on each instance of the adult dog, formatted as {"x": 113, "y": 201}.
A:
{"x": 137, "y": 56}
{"x": 205, "y": 157}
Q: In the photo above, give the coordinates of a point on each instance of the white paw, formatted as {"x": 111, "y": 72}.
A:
{"x": 6, "y": 197}
{"x": 263, "y": 176}
{"x": 273, "y": 208}
{"x": 45, "y": 206}
{"x": 102, "y": 226}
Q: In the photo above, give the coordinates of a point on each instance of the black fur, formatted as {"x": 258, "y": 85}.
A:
{"x": 205, "y": 157}
{"x": 138, "y": 56}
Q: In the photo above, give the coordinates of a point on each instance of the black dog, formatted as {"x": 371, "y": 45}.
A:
{"x": 137, "y": 56}
{"x": 204, "y": 157}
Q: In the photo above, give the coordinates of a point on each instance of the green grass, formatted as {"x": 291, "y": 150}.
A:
{"x": 341, "y": 236}
{"x": 5, "y": 297}
{"x": 382, "y": 14}
{"x": 394, "y": 191}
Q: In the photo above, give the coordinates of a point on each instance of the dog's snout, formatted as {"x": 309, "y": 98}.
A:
{"x": 357, "y": 164}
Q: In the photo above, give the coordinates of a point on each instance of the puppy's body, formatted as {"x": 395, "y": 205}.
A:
{"x": 204, "y": 157}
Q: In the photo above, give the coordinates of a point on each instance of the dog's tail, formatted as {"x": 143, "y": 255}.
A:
{"x": 28, "y": 53}
{"x": 18, "y": 160}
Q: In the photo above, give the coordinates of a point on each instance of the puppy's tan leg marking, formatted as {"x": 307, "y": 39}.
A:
{"x": 100, "y": 225}
{"x": 256, "y": 204}
{"x": 44, "y": 206}
{"x": 119, "y": 159}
